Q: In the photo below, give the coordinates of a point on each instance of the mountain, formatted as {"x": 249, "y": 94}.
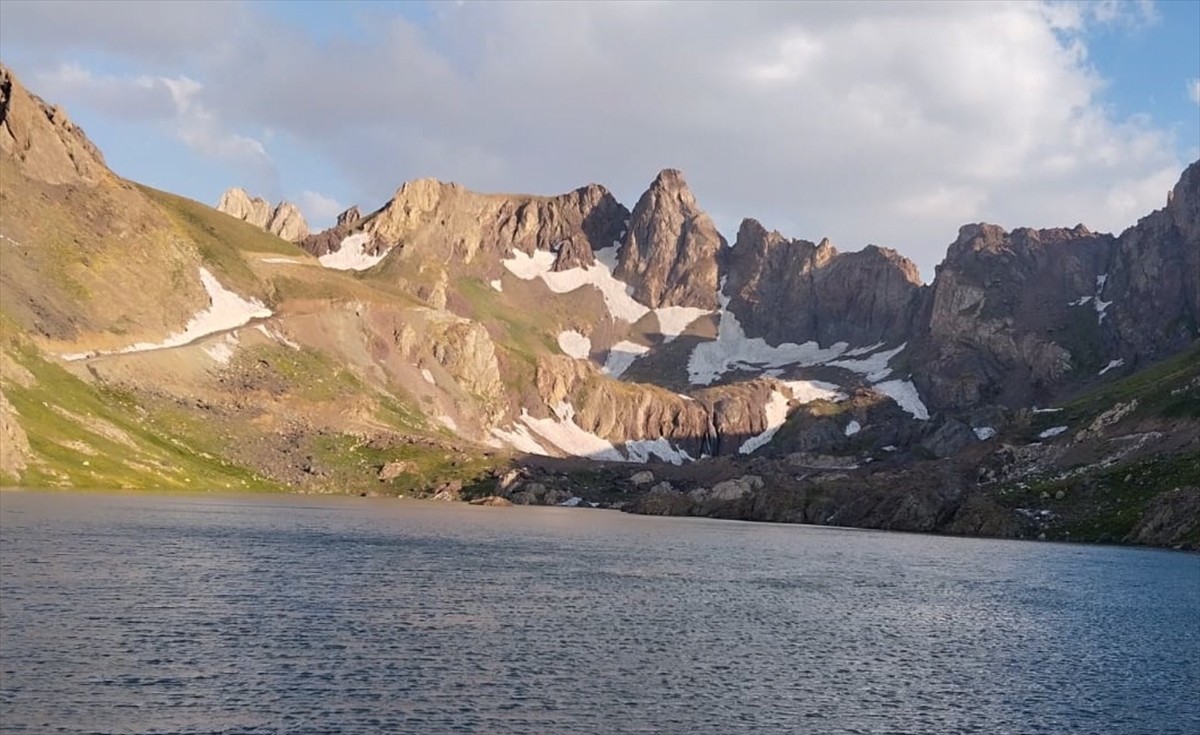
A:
{"x": 284, "y": 220}
{"x": 552, "y": 348}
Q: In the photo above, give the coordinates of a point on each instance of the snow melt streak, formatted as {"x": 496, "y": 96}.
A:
{"x": 776, "y": 411}
{"x": 904, "y": 393}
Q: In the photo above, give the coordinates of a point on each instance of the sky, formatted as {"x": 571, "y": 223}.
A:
{"x": 887, "y": 123}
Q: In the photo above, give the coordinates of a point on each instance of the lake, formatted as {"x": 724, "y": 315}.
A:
{"x": 269, "y": 614}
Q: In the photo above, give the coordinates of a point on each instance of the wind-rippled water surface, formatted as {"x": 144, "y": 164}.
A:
{"x": 294, "y": 615}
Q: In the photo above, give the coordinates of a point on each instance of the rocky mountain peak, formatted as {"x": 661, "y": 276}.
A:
{"x": 236, "y": 202}
{"x": 283, "y": 220}
{"x": 1183, "y": 202}
{"x": 672, "y": 250}
{"x": 350, "y": 217}
{"x": 288, "y": 223}
{"x": 43, "y": 141}
{"x": 796, "y": 291}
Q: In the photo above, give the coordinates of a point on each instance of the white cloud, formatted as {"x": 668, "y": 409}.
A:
{"x": 173, "y": 101}
{"x": 319, "y": 210}
{"x": 1193, "y": 90}
{"x": 888, "y": 123}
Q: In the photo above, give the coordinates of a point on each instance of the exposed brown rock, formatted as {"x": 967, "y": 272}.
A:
{"x": 284, "y": 220}
{"x": 428, "y": 217}
{"x": 794, "y": 291}
{"x": 672, "y": 252}
{"x": 288, "y": 223}
{"x": 42, "y": 140}
{"x": 237, "y": 203}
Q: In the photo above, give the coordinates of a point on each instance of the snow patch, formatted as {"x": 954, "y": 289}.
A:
{"x": 428, "y": 376}
{"x": 527, "y": 267}
{"x": 889, "y": 448}
{"x": 1046, "y": 410}
{"x": 863, "y": 350}
{"x": 983, "y": 433}
{"x": 672, "y": 320}
{"x": 352, "y": 255}
{"x": 1052, "y": 431}
{"x": 288, "y": 261}
{"x": 642, "y": 449}
{"x": 496, "y": 284}
{"x": 1079, "y": 301}
{"x": 222, "y": 352}
{"x": 853, "y": 428}
{"x": 733, "y": 349}
{"x": 621, "y": 356}
{"x": 620, "y": 304}
{"x": 1112, "y": 364}
{"x": 874, "y": 367}
{"x": 226, "y": 310}
{"x": 905, "y": 394}
{"x": 574, "y": 344}
{"x": 571, "y": 502}
{"x": 776, "y": 411}
{"x": 449, "y": 423}
{"x": 1100, "y": 305}
{"x": 807, "y": 391}
{"x": 521, "y": 440}
{"x": 565, "y": 435}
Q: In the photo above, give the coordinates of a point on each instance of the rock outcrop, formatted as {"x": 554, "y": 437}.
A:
{"x": 283, "y": 220}
{"x": 794, "y": 291}
{"x": 672, "y": 253}
{"x": 1013, "y": 316}
{"x": 428, "y": 216}
{"x": 42, "y": 140}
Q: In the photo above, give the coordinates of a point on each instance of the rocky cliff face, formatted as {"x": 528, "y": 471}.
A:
{"x": 1153, "y": 279}
{"x": 43, "y": 141}
{"x": 672, "y": 252}
{"x": 1013, "y": 316}
{"x": 795, "y": 291}
{"x": 429, "y": 216}
{"x": 283, "y": 220}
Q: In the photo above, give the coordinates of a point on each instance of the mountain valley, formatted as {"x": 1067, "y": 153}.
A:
{"x": 568, "y": 350}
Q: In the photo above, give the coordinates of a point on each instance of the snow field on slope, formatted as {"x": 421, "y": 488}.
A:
{"x": 352, "y": 256}
{"x": 226, "y": 310}
{"x": 776, "y": 411}
{"x": 621, "y": 356}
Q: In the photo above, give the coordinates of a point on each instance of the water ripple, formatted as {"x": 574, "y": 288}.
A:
{"x": 288, "y": 615}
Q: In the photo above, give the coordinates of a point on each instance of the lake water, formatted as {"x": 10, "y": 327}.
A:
{"x": 135, "y": 614}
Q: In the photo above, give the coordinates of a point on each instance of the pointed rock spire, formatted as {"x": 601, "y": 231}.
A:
{"x": 672, "y": 249}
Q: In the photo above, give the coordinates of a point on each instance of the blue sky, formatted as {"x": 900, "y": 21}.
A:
{"x": 886, "y": 123}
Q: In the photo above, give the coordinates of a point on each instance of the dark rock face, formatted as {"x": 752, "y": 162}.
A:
{"x": 349, "y": 218}
{"x": 1013, "y": 316}
{"x": 1154, "y": 278}
{"x": 575, "y": 225}
{"x": 672, "y": 252}
{"x": 794, "y": 291}
{"x": 998, "y": 326}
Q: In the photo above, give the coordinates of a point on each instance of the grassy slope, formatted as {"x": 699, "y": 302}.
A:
{"x": 87, "y": 436}
{"x": 94, "y": 435}
{"x": 1104, "y": 504}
